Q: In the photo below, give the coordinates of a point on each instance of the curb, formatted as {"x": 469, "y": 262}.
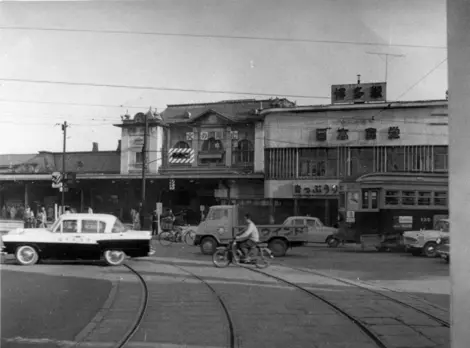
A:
{"x": 87, "y": 330}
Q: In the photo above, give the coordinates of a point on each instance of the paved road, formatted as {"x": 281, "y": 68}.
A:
{"x": 39, "y": 309}
{"x": 419, "y": 276}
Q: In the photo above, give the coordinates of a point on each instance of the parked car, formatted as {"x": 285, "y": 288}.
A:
{"x": 443, "y": 248}
{"x": 317, "y": 232}
{"x": 425, "y": 241}
{"x": 77, "y": 236}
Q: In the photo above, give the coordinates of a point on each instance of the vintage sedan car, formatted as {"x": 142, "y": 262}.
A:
{"x": 443, "y": 248}
{"x": 77, "y": 236}
{"x": 425, "y": 241}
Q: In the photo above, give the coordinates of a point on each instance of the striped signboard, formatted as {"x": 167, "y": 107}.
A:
{"x": 181, "y": 156}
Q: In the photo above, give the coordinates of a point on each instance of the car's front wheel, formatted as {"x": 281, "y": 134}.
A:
{"x": 26, "y": 255}
{"x": 114, "y": 257}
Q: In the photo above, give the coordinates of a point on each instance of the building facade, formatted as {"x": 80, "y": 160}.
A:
{"x": 310, "y": 151}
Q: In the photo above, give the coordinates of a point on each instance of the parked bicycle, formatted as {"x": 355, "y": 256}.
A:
{"x": 224, "y": 256}
{"x": 177, "y": 234}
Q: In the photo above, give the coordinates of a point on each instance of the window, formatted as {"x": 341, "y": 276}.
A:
{"x": 244, "y": 152}
{"x": 440, "y": 158}
{"x": 311, "y": 223}
{"x": 440, "y": 198}
{"x": 138, "y": 157}
{"x": 70, "y": 226}
{"x": 362, "y": 160}
{"x": 395, "y": 159}
{"x": 392, "y": 197}
{"x": 342, "y": 200}
{"x": 424, "y": 198}
{"x": 182, "y": 145}
{"x": 298, "y": 222}
{"x": 93, "y": 226}
{"x": 370, "y": 199}
{"x": 374, "y": 204}
{"x": 408, "y": 197}
{"x": 119, "y": 227}
{"x": 218, "y": 214}
{"x": 318, "y": 162}
{"x": 442, "y": 225}
{"x": 212, "y": 144}
{"x": 365, "y": 199}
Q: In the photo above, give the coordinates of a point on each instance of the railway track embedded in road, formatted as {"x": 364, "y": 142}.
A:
{"x": 442, "y": 322}
{"x": 143, "y": 307}
{"x": 356, "y": 321}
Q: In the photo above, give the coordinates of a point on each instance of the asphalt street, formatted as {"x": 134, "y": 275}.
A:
{"x": 424, "y": 277}
{"x": 37, "y": 306}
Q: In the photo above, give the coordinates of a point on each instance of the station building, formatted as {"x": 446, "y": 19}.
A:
{"x": 271, "y": 157}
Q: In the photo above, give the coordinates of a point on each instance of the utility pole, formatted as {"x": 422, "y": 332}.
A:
{"x": 64, "y": 130}
{"x": 386, "y": 60}
{"x": 144, "y": 165}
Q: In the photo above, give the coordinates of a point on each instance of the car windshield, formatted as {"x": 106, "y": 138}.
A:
{"x": 119, "y": 227}
{"x": 442, "y": 225}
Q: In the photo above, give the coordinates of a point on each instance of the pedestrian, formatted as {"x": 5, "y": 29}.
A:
{"x": 28, "y": 218}
{"x": 155, "y": 223}
{"x": 90, "y": 211}
{"x": 42, "y": 217}
{"x": 4, "y": 212}
{"x": 12, "y": 212}
{"x": 141, "y": 215}
{"x": 136, "y": 222}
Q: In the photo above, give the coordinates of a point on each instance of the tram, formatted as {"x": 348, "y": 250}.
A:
{"x": 385, "y": 205}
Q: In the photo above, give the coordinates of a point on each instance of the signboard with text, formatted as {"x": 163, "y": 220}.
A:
{"x": 358, "y": 93}
{"x": 316, "y": 189}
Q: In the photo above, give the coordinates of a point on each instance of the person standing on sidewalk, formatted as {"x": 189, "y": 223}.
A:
{"x": 155, "y": 223}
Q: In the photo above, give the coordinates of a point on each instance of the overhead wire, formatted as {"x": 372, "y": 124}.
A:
{"x": 220, "y": 36}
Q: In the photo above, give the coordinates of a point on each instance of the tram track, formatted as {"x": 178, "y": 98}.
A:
{"x": 442, "y": 322}
{"x": 354, "y": 320}
{"x": 145, "y": 303}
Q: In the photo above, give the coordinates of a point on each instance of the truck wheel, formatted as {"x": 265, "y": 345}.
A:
{"x": 332, "y": 242}
{"x": 278, "y": 247}
{"x": 430, "y": 249}
{"x": 208, "y": 245}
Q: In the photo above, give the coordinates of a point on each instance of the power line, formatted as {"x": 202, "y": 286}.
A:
{"x": 232, "y": 37}
{"x": 76, "y": 104}
{"x": 67, "y": 83}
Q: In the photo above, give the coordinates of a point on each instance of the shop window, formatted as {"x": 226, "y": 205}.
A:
{"x": 424, "y": 198}
{"x": 440, "y": 198}
{"x": 392, "y": 197}
{"x": 408, "y": 197}
{"x": 440, "y": 158}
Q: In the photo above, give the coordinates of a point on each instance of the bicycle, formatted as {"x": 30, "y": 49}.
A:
{"x": 177, "y": 235}
{"x": 224, "y": 256}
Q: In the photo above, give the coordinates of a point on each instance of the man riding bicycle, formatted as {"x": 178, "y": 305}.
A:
{"x": 247, "y": 240}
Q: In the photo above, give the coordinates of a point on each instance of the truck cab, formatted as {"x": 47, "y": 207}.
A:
{"x": 223, "y": 223}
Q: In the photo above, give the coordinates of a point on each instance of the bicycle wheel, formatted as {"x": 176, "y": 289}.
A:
{"x": 189, "y": 237}
{"x": 220, "y": 259}
{"x": 165, "y": 238}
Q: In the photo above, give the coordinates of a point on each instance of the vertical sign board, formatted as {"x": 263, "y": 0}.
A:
{"x": 358, "y": 93}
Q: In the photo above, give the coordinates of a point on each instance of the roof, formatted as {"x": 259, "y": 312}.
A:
{"x": 364, "y": 106}
{"x": 14, "y": 159}
{"x": 90, "y": 162}
{"x": 244, "y": 110}
{"x": 48, "y": 162}
{"x": 83, "y": 215}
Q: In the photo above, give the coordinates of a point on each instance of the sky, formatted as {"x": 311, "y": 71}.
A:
{"x": 283, "y": 65}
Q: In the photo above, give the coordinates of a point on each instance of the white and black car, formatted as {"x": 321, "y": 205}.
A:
{"x": 78, "y": 236}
